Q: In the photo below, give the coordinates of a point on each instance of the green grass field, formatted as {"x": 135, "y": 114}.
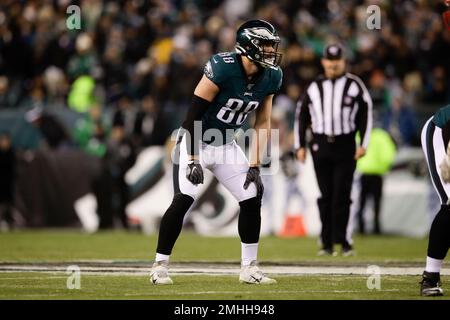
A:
{"x": 58, "y": 245}
{"x": 69, "y": 247}
{"x": 53, "y": 286}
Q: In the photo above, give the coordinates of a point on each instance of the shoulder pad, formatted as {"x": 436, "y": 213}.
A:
{"x": 277, "y": 80}
{"x": 218, "y": 67}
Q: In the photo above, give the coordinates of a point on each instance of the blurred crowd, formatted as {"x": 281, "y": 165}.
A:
{"x": 135, "y": 57}
{"x": 129, "y": 71}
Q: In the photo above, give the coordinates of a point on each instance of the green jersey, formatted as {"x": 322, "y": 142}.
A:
{"x": 238, "y": 96}
{"x": 442, "y": 116}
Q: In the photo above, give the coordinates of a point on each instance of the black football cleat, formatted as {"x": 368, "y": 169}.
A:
{"x": 430, "y": 285}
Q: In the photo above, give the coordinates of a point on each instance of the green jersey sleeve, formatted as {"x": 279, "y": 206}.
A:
{"x": 215, "y": 69}
{"x": 277, "y": 81}
{"x": 442, "y": 116}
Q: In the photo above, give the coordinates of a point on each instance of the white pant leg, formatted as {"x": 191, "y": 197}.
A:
{"x": 230, "y": 168}
{"x": 433, "y": 147}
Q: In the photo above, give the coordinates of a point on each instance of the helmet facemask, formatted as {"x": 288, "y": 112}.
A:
{"x": 266, "y": 58}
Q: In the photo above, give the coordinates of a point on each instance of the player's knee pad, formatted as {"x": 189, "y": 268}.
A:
{"x": 251, "y": 206}
{"x": 439, "y": 240}
{"x": 180, "y": 204}
{"x": 249, "y": 223}
{"x": 172, "y": 222}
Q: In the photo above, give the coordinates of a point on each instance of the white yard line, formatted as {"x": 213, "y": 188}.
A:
{"x": 189, "y": 293}
{"x": 218, "y": 270}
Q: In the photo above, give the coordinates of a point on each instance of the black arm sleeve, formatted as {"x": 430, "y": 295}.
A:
{"x": 364, "y": 116}
{"x": 195, "y": 113}
{"x": 303, "y": 121}
{"x": 361, "y": 118}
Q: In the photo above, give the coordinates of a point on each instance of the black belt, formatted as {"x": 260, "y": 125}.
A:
{"x": 333, "y": 139}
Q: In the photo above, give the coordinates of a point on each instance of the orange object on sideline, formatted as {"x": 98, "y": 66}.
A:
{"x": 294, "y": 226}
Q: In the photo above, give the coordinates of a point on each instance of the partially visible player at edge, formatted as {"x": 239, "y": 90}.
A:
{"x": 234, "y": 84}
{"x": 435, "y": 145}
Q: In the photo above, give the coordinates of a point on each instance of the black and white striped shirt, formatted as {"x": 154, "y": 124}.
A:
{"x": 334, "y": 107}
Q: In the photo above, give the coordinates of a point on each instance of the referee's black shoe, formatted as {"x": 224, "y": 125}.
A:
{"x": 327, "y": 252}
{"x": 430, "y": 286}
{"x": 347, "y": 250}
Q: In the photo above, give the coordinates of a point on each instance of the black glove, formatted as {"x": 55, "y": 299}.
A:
{"x": 194, "y": 172}
{"x": 253, "y": 176}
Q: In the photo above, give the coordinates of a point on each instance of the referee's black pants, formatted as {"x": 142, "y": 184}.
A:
{"x": 334, "y": 164}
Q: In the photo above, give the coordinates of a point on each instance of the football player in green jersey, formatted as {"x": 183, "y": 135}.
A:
{"x": 234, "y": 84}
{"x": 435, "y": 145}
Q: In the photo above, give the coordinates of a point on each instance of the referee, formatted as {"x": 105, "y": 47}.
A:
{"x": 335, "y": 106}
